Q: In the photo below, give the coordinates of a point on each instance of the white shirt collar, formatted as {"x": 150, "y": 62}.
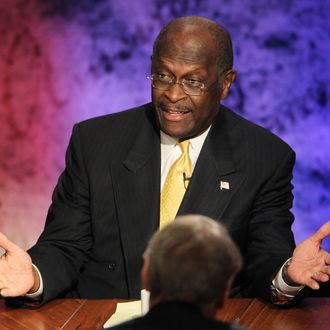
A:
{"x": 168, "y": 142}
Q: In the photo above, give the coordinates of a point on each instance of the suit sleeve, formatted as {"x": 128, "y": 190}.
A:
{"x": 270, "y": 239}
{"x": 64, "y": 246}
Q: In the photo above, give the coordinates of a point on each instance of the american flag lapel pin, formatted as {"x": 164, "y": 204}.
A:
{"x": 224, "y": 185}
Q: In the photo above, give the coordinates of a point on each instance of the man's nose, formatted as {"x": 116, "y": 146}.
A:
{"x": 175, "y": 92}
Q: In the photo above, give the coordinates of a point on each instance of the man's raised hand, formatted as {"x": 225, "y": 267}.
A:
{"x": 16, "y": 270}
{"x": 310, "y": 263}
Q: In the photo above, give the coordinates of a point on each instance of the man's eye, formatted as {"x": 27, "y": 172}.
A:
{"x": 163, "y": 77}
{"x": 193, "y": 82}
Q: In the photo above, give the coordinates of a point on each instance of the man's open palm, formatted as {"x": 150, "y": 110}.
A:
{"x": 310, "y": 263}
{"x": 16, "y": 274}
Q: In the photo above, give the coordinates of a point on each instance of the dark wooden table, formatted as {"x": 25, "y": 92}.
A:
{"x": 312, "y": 313}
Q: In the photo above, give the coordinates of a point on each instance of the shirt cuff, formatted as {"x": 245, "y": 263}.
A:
{"x": 39, "y": 292}
{"x": 282, "y": 287}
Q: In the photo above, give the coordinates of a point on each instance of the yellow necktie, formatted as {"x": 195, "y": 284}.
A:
{"x": 175, "y": 185}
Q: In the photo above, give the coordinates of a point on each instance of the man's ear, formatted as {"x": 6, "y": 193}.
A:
{"x": 144, "y": 272}
{"x": 227, "y": 82}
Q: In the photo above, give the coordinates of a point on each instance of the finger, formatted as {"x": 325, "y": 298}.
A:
{"x": 313, "y": 284}
{"x": 4, "y": 293}
{"x": 327, "y": 259}
{"x": 6, "y": 244}
{"x": 322, "y": 233}
{"x": 326, "y": 270}
{"x": 320, "y": 277}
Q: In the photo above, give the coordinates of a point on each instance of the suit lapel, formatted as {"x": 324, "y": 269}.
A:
{"x": 136, "y": 186}
{"x": 215, "y": 178}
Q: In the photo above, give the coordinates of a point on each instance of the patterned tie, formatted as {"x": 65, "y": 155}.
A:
{"x": 175, "y": 185}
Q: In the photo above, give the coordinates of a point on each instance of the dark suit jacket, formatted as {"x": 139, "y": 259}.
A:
{"x": 175, "y": 316}
{"x": 106, "y": 203}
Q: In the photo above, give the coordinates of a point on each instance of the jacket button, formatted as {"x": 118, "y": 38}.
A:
{"x": 112, "y": 266}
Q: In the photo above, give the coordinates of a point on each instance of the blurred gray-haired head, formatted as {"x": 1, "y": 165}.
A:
{"x": 192, "y": 260}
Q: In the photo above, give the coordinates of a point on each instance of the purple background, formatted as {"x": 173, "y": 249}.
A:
{"x": 64, "y": 61}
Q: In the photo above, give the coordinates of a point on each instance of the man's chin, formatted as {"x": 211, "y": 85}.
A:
{"x": 176, "y": 132}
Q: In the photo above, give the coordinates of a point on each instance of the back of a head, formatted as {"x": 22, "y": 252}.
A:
{"x": 191, "y": 260}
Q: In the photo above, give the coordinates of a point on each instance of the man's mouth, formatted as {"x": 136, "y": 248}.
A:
{"x": 176, "y": 112}
{"x": 173, "y": 113}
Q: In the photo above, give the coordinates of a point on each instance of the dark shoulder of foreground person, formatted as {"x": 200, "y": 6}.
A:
{"x": 133, "y": 325}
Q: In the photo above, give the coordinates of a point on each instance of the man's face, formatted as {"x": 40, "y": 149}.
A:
{"x": 191, "y": 58}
